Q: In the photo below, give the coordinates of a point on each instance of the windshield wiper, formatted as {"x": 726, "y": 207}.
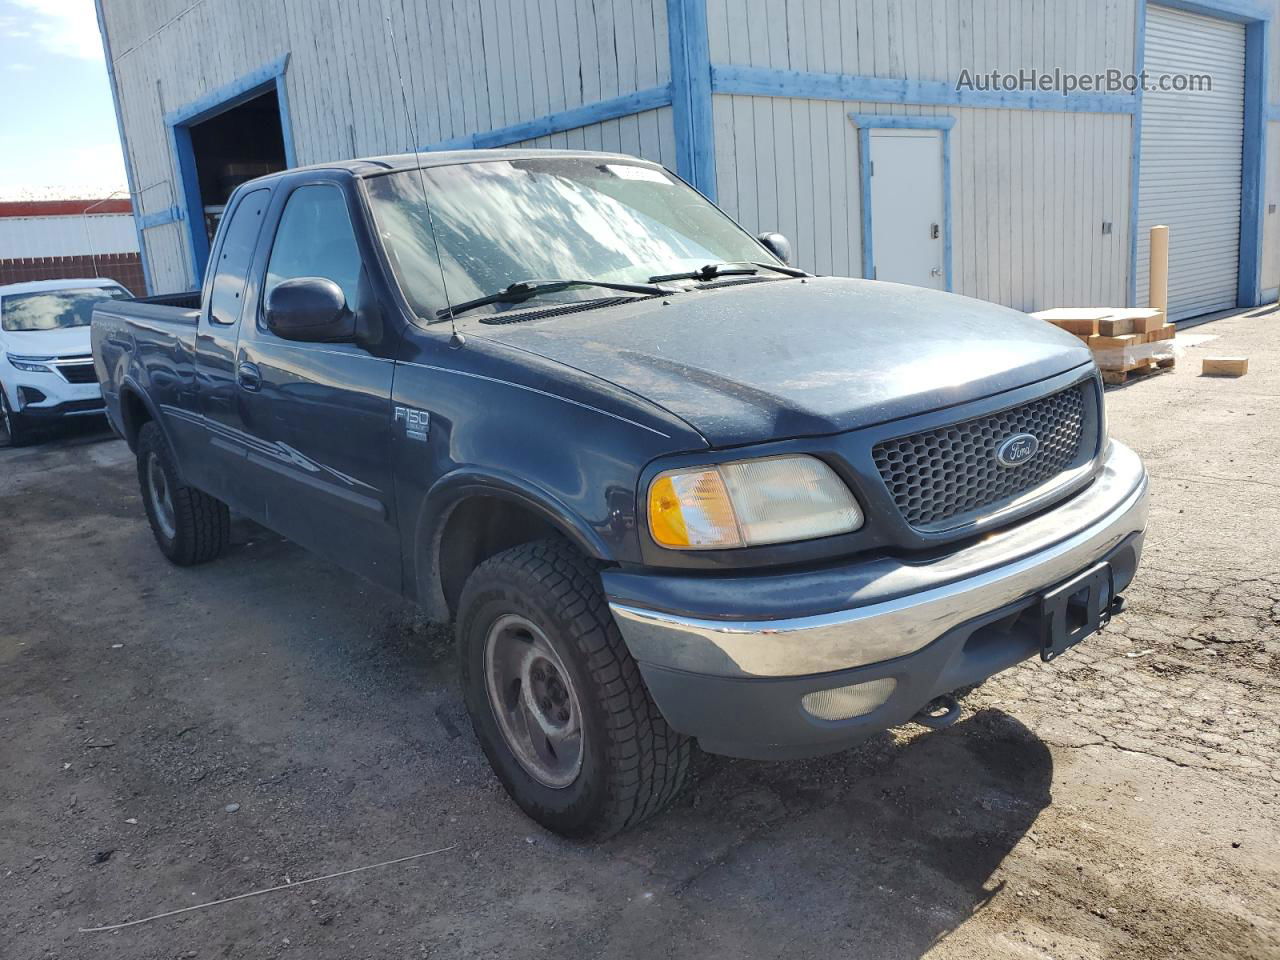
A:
{"x": 712, "y": 271}
{"x": 523, "y": 290}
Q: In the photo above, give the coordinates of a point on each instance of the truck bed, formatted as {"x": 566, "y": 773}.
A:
{"x": 149, "y": 341}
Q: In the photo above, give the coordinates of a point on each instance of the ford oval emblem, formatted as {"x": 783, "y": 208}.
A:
{"x": 1017, "y": 450}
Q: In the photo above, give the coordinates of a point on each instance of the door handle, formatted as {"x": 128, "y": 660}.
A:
{"x": 249, "y": 376}
{"x": 933, "y": 231}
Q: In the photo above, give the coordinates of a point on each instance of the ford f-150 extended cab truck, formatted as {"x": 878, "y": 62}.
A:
{"x": 668, "y": 487}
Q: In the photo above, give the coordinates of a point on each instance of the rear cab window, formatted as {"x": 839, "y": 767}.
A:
{"x": 239, "y": 239}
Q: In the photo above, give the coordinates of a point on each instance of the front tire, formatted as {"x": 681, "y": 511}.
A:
{"x": 13, "y": 428}
{"x": 556, "y": 700}
{"x": 190, "y": 526}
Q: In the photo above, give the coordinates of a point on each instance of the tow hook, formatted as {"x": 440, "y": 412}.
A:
{"x": 939, "y": 713}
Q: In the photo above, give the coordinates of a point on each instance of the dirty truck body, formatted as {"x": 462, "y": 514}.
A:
{"x": 715, "y": 500}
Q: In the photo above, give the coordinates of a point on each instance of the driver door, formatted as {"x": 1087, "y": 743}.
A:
{"x": 319, "y": 414}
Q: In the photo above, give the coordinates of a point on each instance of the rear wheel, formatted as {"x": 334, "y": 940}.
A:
{"x": 555, "y": 698}
{"x": 190, "y": 526}
{"x": 13, "y": 431}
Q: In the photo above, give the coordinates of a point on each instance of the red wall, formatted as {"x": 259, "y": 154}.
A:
{"x": 124, "y": 268}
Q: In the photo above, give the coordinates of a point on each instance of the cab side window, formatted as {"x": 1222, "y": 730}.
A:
{"x": 315, "y": 239}
{"x": 239, "y": 239}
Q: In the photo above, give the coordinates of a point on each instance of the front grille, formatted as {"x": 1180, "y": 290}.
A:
{"x": 939, "y": 477}
{"x": 78, "y": 372}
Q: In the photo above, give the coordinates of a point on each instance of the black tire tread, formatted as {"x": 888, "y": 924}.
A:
{"x": 19, "y": 434}
{"x": 648, "y": 760}
{"x": 203, "y": 522}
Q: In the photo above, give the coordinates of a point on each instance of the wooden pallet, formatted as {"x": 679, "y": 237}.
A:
{"x": 1136, "y": 371}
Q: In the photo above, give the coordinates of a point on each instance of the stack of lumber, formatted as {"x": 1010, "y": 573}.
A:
{"x": 1125, "y": 342}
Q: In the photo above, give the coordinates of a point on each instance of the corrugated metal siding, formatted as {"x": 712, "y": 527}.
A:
{"x": 923, "y": 39}
{"x": 649, "y": 134}
{"x": 1030, "y": 191}
{"x": 469, "y": 66}
{"x": 1191, "y": 160}
{"x": 67, "y": 236}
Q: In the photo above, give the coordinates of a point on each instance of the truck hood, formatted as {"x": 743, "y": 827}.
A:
{"x": 63, "y": 342}
{"x": 767, "y": 361}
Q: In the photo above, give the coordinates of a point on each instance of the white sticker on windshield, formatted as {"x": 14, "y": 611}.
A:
{"x": 629, "y": 172}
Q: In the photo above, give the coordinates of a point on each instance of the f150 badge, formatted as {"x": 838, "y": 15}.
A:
{"x": 417, "y": 423}
{"x": 1017, "y": 450}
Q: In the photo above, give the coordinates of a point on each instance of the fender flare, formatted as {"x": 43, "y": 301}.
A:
{"x": 130, "y": 385}
{"x": 458, "y": 486}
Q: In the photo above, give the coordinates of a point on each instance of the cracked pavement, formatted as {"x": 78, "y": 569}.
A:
{"x": 173, "y": 737}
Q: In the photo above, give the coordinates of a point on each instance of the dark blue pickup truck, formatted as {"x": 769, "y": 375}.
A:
{"x": 668, "y": 487}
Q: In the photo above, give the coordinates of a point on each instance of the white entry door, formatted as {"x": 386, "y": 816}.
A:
{"x": 907, "y": 229}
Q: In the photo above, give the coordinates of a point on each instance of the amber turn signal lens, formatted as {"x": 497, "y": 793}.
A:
{"x": 750, "y": 502}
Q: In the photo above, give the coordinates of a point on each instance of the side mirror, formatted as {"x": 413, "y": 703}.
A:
{"x": 776, "y": 244}
{"x": 311, "y": 309}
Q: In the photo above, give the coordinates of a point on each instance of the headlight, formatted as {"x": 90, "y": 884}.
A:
{"x": 20, "y": 363}
{"x": 749, "y": 503}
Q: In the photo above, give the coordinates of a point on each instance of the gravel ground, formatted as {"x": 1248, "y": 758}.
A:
{"x": 172, "y": 737}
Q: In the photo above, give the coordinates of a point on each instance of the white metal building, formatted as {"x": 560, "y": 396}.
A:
{"x": 61, "y": 239}
{"x": 848, "y": 125}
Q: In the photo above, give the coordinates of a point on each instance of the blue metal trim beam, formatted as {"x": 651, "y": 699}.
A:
{"x": 864, "y": 198}
{"x": 766, "y": 82}
{"x": 1135, "y": 151}
{"x": 179, "y": 122}
{"x": 571, "y": 119}
{"x": 691, "y": 85}
{"x": 135, "y": 200}
{"x": 904, "y": 123}
{"x": 189, "y": 200}
{"x": 1257, "y": 69}
{"x": 160, "y": 218}
{"x": 229, "y": 94}
{"x": 866, "y": 122}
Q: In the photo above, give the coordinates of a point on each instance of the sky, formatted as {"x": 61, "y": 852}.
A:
{"x": 58, "y": 135}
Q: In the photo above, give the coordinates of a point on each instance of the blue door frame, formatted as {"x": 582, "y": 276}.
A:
{"x": 866, "y": 122}
{"x": 1257, "y": 71}
{"x": 269, "y": 77}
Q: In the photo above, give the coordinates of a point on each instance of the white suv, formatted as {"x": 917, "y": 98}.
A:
{"x": 46, "y": 366}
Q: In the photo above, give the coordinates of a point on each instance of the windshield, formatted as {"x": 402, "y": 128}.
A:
{"x": 505, "y": 221}
{"x": 53, "y": 309}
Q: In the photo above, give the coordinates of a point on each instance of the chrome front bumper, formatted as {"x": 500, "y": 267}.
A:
{"x": 904, "y": 606}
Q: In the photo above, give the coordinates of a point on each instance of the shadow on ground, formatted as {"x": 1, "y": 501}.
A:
{"x": 881, "y": 851}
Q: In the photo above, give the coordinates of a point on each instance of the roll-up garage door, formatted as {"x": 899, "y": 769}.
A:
{"x": 1192, "y": 143}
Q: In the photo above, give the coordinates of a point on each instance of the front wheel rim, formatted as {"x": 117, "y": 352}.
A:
{"x": 161, "y": 497}
{"x": 534, "y": 701}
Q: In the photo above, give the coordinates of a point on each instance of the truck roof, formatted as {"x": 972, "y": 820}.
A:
{"x": 393, "y": 163}
{"x": 66, "y": 283}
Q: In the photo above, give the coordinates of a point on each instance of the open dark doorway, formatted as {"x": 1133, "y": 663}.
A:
{"x": 236, "y": 145}
{"x": 230, "y": 135}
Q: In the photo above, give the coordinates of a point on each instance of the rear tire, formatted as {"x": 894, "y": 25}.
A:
{"x": 190, "y": 526}
{"x": 542, "y": 657}
{"x": 13, "y": 428}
